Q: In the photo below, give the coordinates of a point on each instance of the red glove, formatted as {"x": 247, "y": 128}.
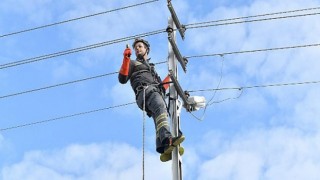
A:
{"x": 124, "y": 70}
{"x": 127, "y": 52}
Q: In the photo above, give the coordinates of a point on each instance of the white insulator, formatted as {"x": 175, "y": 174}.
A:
{"x": 197, "y": 102}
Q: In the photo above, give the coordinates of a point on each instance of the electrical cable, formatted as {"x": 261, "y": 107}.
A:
{"x": 214, "y": 94}
{"x": 256, "y": 50}
{"x": 202, "y": 90}
{"x": 106, "y": 43}
{"x": 242, "y": 89}
{"x": 57, "y": 85}
{"x": 39, "y": 58}
{"x": 63, "y": 84}
{"x": 254, "y": 16}
{"x": 220, "y": 79}
{"x": 257, "y": 86}
{"x": 162, "y": 62}
{"x": 70, "y": 51}
{"x": 216, "y": 102}
{"x": 63, "y": 117}
{"x": 250, "y": 21}
{"x": 76, "y": 19}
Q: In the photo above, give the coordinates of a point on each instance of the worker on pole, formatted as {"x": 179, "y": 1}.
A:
{"x": 149, "y": 90}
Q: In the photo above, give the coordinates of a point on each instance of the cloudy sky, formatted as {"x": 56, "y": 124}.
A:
{"x": 248, "y": 134}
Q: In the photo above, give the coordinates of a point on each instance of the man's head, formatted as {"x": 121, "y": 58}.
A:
{"x": 141, "y": 48}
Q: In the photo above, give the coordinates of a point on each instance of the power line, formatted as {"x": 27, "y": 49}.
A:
{"x": 161, "y": 62}
{"x": 122, "y": 105}
{"x": 257, "y": 86}
{"x": 63, "y": 84}
{"x": 57, "y": 85}
{"x": 143, "y": 3}
{"x": 249, "y": 21}
{"x": 254, "y": 16}
{"x": 256, "y": 50}
{"x": 64, "y": 117}
{"x": 76, "y": 19}
{"x": 106, "y": 43}
{"x": 79, "y": 49}
{"x": 61, "y": 53}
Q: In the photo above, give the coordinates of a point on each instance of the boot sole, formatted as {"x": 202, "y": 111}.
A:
{"x": 168, "y": 157}
{"x": 175, "y": 143}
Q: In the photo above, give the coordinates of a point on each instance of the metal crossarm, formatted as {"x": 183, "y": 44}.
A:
{"x": 180, "y": 92}
{"x": 179, "y": 26}
{"x": 182, "y": 60}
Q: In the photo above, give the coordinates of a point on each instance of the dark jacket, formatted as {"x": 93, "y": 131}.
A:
{"x": 141, "y": 73}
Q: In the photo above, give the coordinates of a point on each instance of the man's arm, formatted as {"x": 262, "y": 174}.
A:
{"x": 125, "y": 67}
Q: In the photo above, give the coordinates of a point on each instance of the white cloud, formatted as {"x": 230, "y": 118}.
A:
{"x": 87, "y": 162}
{"x": 277, "y": 153}
{"x": 235, "y": 165}
{"x": 37, "y": 11}
{"x": 306, "y": 112}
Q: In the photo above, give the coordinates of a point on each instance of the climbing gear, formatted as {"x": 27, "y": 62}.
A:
{"x": 146, "y": 43}
{"x": 167, "y": 157}
{"x": 143, "y": 128}
{"x": 144, "y": 72}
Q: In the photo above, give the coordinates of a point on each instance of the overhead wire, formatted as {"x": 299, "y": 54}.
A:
{"x": 39, "y": 58}
{"x": 241, "y": 89}
{"x": 248, "y": 21}
{"x": 71, "y": 51}
{"x": 255, "y": 50}
{"x": 57, "y": 85}
{"x": 76, "y": 19}
{"x": 153, "y": 33}
{"x": 63, "y": 117}
{"x": 161, "y": 62}
{"x": 143, "y": 3}
{"x": 101, "y": 44}
{"x": 257, "y": 86}
{"x": 214, "y": 94}
{"x": 254, "y": 16}
{"x": 122, "y": 105}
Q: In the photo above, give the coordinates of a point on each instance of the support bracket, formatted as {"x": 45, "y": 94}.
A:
{"x": 182, "y": 60}
{"x": 186, "y": 103}
{"x": 179, "y": 26}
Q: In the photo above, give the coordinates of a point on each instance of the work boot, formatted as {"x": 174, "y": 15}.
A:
{"x": 167, "y": 157}
{"x": 173, "y": 142}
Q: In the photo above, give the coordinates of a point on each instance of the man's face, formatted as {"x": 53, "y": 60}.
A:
{"x": 140, "y": 49}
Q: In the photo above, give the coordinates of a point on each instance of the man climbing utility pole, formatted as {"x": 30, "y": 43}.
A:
{"x": 150, "y": 92}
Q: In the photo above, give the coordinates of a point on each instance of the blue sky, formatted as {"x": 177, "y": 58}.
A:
{"x": 266, "y": 133}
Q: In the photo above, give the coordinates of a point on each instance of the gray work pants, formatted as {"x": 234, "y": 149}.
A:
{"x": 156, "y": 107}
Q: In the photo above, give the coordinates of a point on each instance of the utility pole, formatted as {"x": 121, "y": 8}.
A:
{"x": 175, "y": 108}
{"x": 190, "y": 103}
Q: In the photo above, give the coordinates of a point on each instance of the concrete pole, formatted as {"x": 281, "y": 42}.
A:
{"x": 175, "y": 115}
